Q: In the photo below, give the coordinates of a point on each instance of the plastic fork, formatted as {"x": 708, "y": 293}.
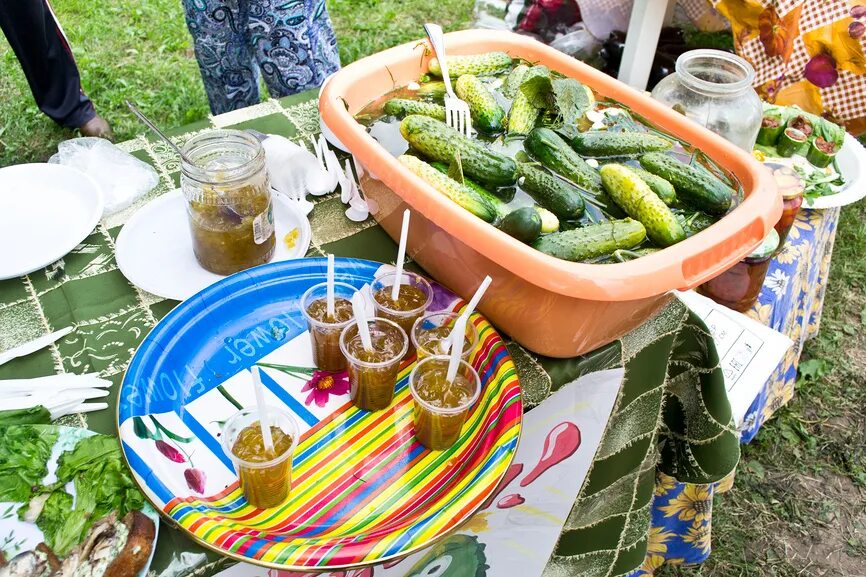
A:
{"x": 456, "y": 110}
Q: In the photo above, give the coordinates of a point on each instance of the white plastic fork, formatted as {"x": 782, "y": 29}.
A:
{"x": 456, "y": 110}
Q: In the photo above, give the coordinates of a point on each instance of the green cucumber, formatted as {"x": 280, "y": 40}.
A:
{"x": 514, "y": 80}
{"x": 821, "y": 153}
{"x": 771, "y": 129}
{"x": 792, "y": 141}
{"x": 552, "y": 151}
{"x": 642, "y": 204}
{"x": 549, "y": 221}
{"x": 400, "y": 107}
{"x": 523, "y": 114}
{"x": 486, "y": 64}
{"x": 437, "y": 141}
{"x": 592, "y": 241}
{"x": 693, "y": 185}
{"x": 501, "y": 208}
{"x": 487, "y": 115}
{"x": 433, "y": 90}
{"x": 660, "y": 186}
{"x": 459, "y": 193}
{"x": 553, "y": 193}
{"x": 524, "y": 224}
{"x": 603, "y": 143}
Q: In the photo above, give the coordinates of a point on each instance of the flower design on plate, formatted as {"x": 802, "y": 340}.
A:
{"x": 324, "y": 384}
{"x": 195, "y": 479}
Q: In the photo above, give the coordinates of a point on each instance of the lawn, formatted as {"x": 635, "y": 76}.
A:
{"x": 799, "y": 503}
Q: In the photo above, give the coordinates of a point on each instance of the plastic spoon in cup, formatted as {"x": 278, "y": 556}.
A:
{"x": 401, "y": 255}
{"x": 470, "y": 308}
{"x": 361, "y": 320}
{"x": 264, "y": 421}
{"x": 458, "y": 333}
{"x": 330, "y": 287}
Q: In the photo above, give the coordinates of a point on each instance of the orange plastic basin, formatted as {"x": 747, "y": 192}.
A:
{"x": 550, "y": 306}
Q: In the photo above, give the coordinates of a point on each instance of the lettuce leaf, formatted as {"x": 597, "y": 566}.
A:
{"x": 33, "y": 416}
{"x": 62, "y": 526}
{"x": 24, "y": 453}
{"x": 102, "y": 484}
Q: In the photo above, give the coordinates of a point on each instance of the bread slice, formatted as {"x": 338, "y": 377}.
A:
{"x": 134, "y": 555}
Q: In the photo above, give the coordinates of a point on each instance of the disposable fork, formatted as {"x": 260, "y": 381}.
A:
{"x": 456, "y": 110}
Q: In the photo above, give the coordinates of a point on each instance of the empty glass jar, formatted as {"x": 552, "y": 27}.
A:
{"x": 714, "y": 89}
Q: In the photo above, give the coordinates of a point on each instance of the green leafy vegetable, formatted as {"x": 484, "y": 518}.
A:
{"x": 101, "y": 480}
{"x": 32, "y": 416}
{"x": 565, "y": 96}
{"x": 539, "y": 91}
{"x": 24, "y": 452}
{"x": 818, "y": 184}
{"x": 572, "y": 100}
{"x": 62, "y": 527}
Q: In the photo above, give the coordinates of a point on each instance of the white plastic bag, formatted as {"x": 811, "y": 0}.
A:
{"x": 122, "y": 177}
{"x": 601, "y": 17}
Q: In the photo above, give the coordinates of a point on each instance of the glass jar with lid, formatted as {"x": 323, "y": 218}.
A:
{"x": 228, "y": 201}
{"x": 791, "y": 186}
{"x": 739, "y": 287}
{"x": 714, "y": 88}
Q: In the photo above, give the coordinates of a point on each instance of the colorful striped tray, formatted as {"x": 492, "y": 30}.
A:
{"x": 364, "y": 491}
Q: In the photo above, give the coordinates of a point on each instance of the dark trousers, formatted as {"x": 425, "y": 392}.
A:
{"x": 41, "y": 48}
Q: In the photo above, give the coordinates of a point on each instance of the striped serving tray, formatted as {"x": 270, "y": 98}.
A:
{"x": 364, "y": 490}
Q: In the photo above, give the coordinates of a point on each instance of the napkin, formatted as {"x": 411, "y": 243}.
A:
{"x": 285, "y": 159}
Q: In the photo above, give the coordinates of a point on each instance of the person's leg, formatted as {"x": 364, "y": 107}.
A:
{"x": 294, "y": 44}
{"x": 48, "y": 64}
{"x": 222, "y": 48}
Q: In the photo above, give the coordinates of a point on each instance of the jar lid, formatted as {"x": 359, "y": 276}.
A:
{"x": 790, "y": 183}
{"x": 767, "y": 247}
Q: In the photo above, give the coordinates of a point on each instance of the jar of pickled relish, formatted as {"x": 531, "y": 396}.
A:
{"x": 228, "y": 201}
{"x": 738, "y": 288}
{"x": 791, "y": 186}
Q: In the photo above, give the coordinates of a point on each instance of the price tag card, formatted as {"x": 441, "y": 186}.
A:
{"x": 749, "y": 352}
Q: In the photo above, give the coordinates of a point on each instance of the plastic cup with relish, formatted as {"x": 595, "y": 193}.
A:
{"x": 431, "y": 332}
{"x": 373, "y": 373}
{"x": 441, "y": 407}
{"x": 325, "y": 331}
{"x": 411, "y": 304}
{"x": 265, "y": 476}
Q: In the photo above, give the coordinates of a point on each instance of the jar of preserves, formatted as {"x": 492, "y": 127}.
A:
{"x": 739, "y": 287}
{"x": 791, "y": 186}
{"x": 228, "y": 201}
{"x": 714, "y": 88}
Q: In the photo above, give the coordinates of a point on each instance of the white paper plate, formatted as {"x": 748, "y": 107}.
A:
{"x": 154, "y": 248}
{"x": 46, "y": 210}
{"x": 852, "y": 164}
{"x": 21, "y": 536}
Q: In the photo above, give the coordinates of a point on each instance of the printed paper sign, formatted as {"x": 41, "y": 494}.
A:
{"x": 749, "y": 351}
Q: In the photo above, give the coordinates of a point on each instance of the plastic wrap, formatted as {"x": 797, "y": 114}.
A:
{"x": 122, "y": 177}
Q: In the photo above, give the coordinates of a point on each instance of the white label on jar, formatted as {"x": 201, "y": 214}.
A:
{"x": 263, "y": 225}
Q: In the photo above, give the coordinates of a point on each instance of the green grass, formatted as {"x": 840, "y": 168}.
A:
{"x": 799, "y": 503}
{"x": 142, "y": 51}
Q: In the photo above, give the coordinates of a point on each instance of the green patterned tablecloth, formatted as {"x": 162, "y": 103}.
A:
{"x": 671, "y": 415}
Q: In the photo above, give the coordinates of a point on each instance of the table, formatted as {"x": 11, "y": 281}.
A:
{"x": 671, "y": 416}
